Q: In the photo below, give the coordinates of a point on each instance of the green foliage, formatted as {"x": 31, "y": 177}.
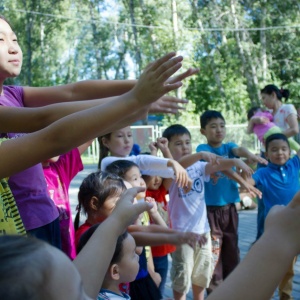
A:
{"x": 69, "y": 40}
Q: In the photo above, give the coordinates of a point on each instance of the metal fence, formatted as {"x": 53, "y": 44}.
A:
{"x": 145, "y": 134}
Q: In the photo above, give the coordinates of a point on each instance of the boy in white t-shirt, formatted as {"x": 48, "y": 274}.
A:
{"x": 188, "y": 212}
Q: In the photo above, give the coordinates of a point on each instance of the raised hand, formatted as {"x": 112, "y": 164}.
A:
{"x": 153, "y": 84}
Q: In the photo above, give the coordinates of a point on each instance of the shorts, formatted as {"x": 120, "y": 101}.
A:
{"x": 192, "y": 266}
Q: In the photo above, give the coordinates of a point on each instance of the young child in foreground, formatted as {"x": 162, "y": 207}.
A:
{"x": 261, "y": 123}
{"x": 192, "y": 266}
{"x": 82, "y": 279}
{"x": 279, "y": 183}
{"x": 123, "y": 267}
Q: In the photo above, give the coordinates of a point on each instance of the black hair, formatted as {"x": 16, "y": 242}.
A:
{"x": 121, "y": 167}
{"x": 117, "y": 256}
{"x": 208, "y": 115}
{"x": 251, "y": 112}
{"x": 276, "y": 136}
{"x": 25, "y": 269}
{"x": 280, "y": 93}
{"x": 4, "y": 19}
{"x": 174, "y": 130}
{"x": 100, "y": 185}
{"x": 103, "y": 150}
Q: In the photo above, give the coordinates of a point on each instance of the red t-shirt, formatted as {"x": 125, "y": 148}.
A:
{"x": 162, "y": 204}
{"x": 80, "y": 231}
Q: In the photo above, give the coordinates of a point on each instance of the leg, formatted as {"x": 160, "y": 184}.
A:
{"x": 181, "y": 270}
{"x": 230, "y": 249}
{"x": 198, "y": 292}
{"x": 161, "y": 267}
{"x": 214, "y": 217}
{"x": 203, "y": 269}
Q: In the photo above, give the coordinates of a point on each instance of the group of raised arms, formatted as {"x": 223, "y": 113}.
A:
{"x": 56, "y": 124}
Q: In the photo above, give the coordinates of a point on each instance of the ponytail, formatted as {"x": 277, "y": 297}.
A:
{"x": 104, "y": 151}
{"x": 77, "y": 217}
{"x": 280, "y": 93}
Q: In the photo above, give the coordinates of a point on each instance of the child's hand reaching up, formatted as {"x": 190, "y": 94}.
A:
{"x": 153, "y": 148}
{"x": 154, "y": 214}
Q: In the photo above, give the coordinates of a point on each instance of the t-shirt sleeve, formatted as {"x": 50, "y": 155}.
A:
{"x": 69, "y": 165}
{"x": 148, "y": 165}
{"x": 13, "y": 96}
{"x": 257, "y": 177}
{"x": 231, "y": 146}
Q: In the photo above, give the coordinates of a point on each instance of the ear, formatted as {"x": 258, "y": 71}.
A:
{"x": 114, "y": 272}
{"x": 202, "y": 131}
{"x": 94, "y": 203}
{"x": 104, "y": 142}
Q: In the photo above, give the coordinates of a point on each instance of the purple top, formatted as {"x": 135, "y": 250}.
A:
{"x": 261, "y": 129}
{"x": 28, "y": 187}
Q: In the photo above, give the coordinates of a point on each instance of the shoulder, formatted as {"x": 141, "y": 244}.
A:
{"x": 288, "y": 108}
{"x": 203, "y": 147}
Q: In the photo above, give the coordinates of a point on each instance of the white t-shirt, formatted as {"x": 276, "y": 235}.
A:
{"x": 148, "y": 165}
{"x": 188, "y": 211}
{"x": 284, "y": 111}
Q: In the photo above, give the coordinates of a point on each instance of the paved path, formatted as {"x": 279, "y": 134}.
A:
{"x": 247, "y": 231}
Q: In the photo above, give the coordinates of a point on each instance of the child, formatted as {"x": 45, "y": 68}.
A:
{"x": 261, "y": 123}
{"x": 29, "y": 187}
{"x": 279, "y": 182}
{"x": 265, "y": 262}
{"x": 119, "y": 144}
{"x": 123, "y": 267}
{"x": 221, "y": 194}
{"x": 158, "y": 188}
{"x": 192, "y": 265}
{"x": 59, "y": 171}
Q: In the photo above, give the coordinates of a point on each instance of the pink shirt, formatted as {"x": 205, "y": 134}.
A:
{"x": 261, "y": 129}
{"x": 58, "y": 177}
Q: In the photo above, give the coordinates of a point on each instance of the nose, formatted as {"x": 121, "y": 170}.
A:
{"x": 142, "y": 182}
{"x": 12, "y": 48}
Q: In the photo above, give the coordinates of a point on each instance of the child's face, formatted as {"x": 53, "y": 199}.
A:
{"x": 153, "y": 183}
{"x": 120, "y": 142}
{"x": 108, "y": 206}
{"x": 278, "y": 152}
{"x": 180, "y": 145}
{"x": 134, "y": 177}
{"x": 10, "y": 52}
{"x": 129, "y": 263}
{"x": 214, "y": 132}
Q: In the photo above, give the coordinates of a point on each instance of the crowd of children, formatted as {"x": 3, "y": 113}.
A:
{"x": 126, "y": 203}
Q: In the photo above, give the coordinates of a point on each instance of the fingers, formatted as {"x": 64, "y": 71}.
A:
{"x": 157, "y": 63}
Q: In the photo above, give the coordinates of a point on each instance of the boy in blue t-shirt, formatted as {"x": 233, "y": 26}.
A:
{"x": 279, "y": 183}
{"x": 221, "y": 194}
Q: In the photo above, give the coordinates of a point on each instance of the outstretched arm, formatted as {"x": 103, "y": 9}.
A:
{"x": 252, "y": 158}
{"x": 75, "y": 129}
{"x": 265, "y": 262}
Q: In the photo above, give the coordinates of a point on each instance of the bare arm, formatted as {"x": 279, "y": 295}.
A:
{"x": 244, "y": 152}
{"x": 293, "y": 126}
{"x": 93, "y": 271}
{"x": 75, "y": 129}
{"x": 84, "y": 146}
